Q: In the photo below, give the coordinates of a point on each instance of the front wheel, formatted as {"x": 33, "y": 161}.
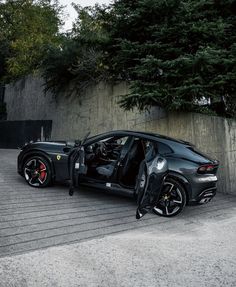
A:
{"x": 172, "y": 199}
{"x": 37, "y": 171}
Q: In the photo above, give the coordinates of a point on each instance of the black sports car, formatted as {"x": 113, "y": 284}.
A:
{"x": 162, "y": 173}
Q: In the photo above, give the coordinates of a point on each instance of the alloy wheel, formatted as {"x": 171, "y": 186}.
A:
{"x": 35, "y": 172}
{"x": 172, "y": 200}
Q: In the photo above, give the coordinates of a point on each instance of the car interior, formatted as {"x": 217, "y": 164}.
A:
{"x": 116, "y": 159}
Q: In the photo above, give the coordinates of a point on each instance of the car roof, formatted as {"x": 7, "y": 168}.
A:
{"x": 149, "y": 135}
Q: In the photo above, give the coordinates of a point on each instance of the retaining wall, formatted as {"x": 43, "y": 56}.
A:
{"x": 97, "y": 110}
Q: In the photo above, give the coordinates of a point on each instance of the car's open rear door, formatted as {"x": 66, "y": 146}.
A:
{"x": 152, "y": 173}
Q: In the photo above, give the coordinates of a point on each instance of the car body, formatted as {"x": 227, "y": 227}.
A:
{"x": 190, "y": 173}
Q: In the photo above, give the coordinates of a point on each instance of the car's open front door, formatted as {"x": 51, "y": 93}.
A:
{"x": 76, "y": 166}
{"x": 152, "y": 173}
{"x": 76, "y": 163}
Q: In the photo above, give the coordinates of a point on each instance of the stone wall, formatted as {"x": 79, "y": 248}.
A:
{"x": 97, "y": 110}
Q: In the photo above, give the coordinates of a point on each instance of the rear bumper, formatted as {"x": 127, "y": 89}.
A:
{"x": 206, "y": 195}
{"x": 203, "y": 188}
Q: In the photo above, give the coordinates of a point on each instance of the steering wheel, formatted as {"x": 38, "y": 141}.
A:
{"x": 101, "y": 149}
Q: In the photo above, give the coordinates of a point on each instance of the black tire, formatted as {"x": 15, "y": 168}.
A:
{"x": 37, "y": 171}
{"x": 172, "y": 199}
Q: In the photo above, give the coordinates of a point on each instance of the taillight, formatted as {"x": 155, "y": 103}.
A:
{"x": 207, "y": 168}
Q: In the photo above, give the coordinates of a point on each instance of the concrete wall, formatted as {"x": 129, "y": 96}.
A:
{"x": 97, "y": 110}
{"x": 72, "y": 115}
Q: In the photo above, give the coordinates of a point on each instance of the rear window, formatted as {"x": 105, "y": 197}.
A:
{"x": 200, "y": 153}
{"x": 164, "y": 149}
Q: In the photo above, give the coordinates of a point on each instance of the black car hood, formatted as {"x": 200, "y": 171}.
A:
{"x": 53, "y": 146}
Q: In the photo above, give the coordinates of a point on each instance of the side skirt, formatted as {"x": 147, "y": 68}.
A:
{"x": 110, "y": 188}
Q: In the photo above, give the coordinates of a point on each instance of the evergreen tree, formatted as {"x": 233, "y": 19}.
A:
{"x": 80, "y": 58}
{"x": 175, "y": 54}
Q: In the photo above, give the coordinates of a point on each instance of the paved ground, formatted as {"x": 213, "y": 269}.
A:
{"x": 110, "y": 248}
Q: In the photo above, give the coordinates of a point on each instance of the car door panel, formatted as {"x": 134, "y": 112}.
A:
{"x": 150, "y": 180}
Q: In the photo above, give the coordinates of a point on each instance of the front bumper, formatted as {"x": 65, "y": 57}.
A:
{"x": 19, "y": 164}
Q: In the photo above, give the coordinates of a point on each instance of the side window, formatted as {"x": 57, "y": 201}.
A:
{"x": 113, "y": 145}
{"x": 116, "y": 140}
{"x": 164, "y": 149}
{"x": 122, "y": 140}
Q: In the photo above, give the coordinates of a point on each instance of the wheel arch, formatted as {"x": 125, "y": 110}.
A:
{"x": 42, "y": 154}
{"x": 183, "y": 182}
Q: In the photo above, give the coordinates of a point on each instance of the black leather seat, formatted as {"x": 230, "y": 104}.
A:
{"x": 133, "y": 152}
{"x": 106, "y": 170}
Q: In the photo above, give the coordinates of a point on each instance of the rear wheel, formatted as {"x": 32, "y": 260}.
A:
{"x": 37, "y": 171}
{"x": 172, "y": 199}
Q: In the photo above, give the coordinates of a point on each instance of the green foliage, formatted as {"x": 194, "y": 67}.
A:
{"x": 78, "y": 62}
{"x": 89, "y": 28}
{"x": 175, "y": 54}
{"x": 72, "y": 65}
{"x": 26, "y": 27}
